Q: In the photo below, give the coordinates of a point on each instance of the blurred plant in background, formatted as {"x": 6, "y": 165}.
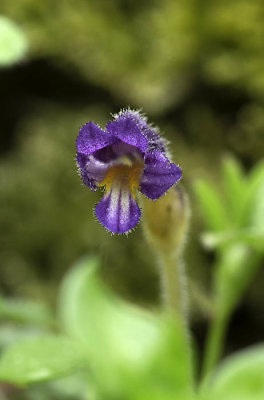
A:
{"x": 178, "y": 40}
{"x": 13, "y": 43}
{"x": 123, "y": 351}
{"x": 83, "y": 61}
{"x": 116, "y": 351}
{"x": 196, "y": 68}
{"x": 236, "y": 220}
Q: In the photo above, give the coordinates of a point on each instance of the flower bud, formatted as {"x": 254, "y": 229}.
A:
{"x": 166, "y": 220}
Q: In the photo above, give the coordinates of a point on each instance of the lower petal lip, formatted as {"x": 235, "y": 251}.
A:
{"x": 118, "y": 210}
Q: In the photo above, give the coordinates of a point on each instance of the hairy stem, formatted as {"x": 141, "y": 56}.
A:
{"x": 173, "y": 283}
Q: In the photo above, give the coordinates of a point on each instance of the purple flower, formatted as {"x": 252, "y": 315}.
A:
{"x": 126, "y": 157}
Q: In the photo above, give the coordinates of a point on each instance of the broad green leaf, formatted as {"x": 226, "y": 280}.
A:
{"x": 241, "y": 377}
{"x": 25, "y": 311}
{"x": 11, "y": 333}
{"x": 40, "y": 359}
{"x": 127, "y": 348}
{"x": 13, "y": 43}
{"x": 90, "y": 312}
{"x": 235, "y": 187}
{"x": 212, "y": 206}
{"x": 168, "y": 376}
{"x": 73, "y": 387}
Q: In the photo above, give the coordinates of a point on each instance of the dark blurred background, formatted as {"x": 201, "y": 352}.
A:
{"x": 195, "y": 67}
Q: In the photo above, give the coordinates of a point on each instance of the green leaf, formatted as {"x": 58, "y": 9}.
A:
{"x": 235, "y": 187}
{"x": 90, "y": 312}
{"x": 230, "y": 274}
{"x": 255, "y": 182}
{"x": 128, "y": 349}
{"x": 13, "y": 43}
{"x": 40, "y": 359}
{"x": 212, "y": 206}
{"x": 251, "y": 237}
{"x": 73, "y": 387}
{"x": 168, "y": 376}
{"x": 11, "y": 333}
{"x": 257, "y": 220}
{"x": 241, "y": 377}
{"x": 25, "y": 311}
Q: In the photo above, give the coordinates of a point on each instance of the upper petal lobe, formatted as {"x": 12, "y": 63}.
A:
{"x": 127, "y": 131}
{"x": 92, "y": 138}
{"x": 155, "y": 141}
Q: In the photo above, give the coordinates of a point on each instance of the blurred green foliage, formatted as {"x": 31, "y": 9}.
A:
{"x": 118, "y": 351}
{"x": 240, "y": 376}
{"x": 235, "y": 219}
{"x": 197, "y": 67}
{"x": 13, "y": 43}
{"x": 126, "y": 352}
{"x": 150, "y": 53}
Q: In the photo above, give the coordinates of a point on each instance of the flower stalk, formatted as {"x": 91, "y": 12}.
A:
{"x": 172, "y": 281}
{"x": 165, "y": 226}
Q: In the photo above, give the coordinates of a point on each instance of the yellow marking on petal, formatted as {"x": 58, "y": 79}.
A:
{"x": 127, "y": 176}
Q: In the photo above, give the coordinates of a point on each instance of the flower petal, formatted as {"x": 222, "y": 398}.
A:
{"x": 92, "y": 138}
{"x": 127, "y": 130}
{"x": 92, "y": 170}
{"x": 159, "y": 175}
{"x": 151, "y": 133}
{"x": 81, "y": 160}
{"x": 118, "y": 211}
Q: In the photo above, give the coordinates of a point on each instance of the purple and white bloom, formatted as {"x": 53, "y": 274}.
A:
{"x": 128, "y": 156}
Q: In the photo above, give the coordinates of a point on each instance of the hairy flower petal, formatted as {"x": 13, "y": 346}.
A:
{"x": 159, "y": 175}
{"x": 92, "y": 138}
{"x": 127, "y": 130}
{"x": 87, "y": 180}
{"x": 151, "y": 133}
{"x": 118, "y": 210}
